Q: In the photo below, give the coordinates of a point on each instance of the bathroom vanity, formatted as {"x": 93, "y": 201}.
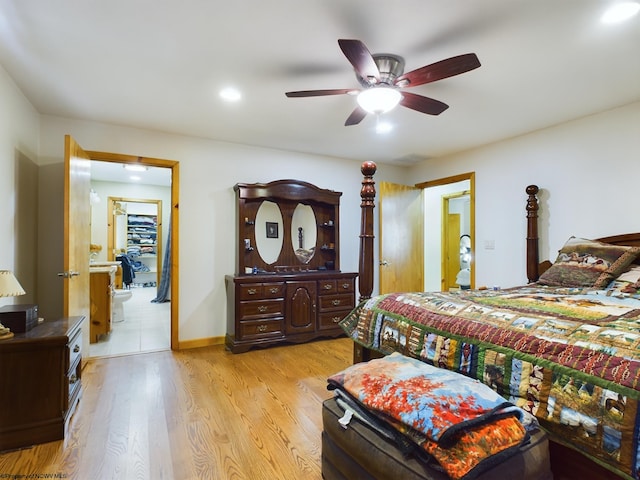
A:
{"x": 102, "y": 287}
{"x": 288, "y": 286}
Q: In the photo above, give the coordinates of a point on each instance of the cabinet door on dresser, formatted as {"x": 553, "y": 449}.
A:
{"x": 301, "y": 307}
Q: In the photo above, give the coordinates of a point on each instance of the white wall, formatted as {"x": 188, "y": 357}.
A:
{"x": 18, "y": 188}
{"x": 208, "y": 171}
{"x": 588, "y": 171}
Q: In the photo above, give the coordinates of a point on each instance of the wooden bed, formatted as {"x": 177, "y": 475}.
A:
{"x": 567, "y": 462}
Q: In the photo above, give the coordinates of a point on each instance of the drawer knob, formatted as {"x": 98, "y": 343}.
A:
{"x": 327, "y": 286}
{"x": 346, "y": 286}
{"x": 262, "y": 309}
{"x": 262, "y": 328}
{"x": 336, "y": 319}
{"x": 76, "y": 348}
{"x": 336, "y": 302}
{"x": 252, "y": 291}
{"x": 273, "y": 290}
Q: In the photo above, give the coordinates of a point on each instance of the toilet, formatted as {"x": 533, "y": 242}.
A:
{"x": 119, "y": 297}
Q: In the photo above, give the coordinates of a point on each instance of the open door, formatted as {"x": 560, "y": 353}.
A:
{"x": 451, "y": 249}
{"x": 77, "y": 233}
{"x": 401, "y": 238}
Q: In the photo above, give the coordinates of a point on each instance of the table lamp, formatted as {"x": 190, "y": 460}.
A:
{"x": 9, "y": 287}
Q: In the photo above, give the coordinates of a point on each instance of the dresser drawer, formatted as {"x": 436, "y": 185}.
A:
{"x": 261, "y": 308}
{"x": 260, "y": 328}
{"x": 329, "y": 320}
{"x": 336, "y": 302}
{"x": 327, "y": 287}
{"x": 333, "y": 286}
{"x": 253, "y": 291}
{"x": 75, "y": 349}
{"x": 345, "y": 285}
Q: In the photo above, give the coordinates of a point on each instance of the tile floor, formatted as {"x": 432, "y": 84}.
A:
{"x": 146, "y": 327}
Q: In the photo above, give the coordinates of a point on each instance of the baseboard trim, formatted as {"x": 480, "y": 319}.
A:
{"x": 200, "y": 342}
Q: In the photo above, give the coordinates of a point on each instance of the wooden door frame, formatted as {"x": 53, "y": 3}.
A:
{"x": 174, "y": 165}
{"x": 471, "y": 176}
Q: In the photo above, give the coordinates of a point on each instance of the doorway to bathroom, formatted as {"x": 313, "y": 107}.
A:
{"x": 134, "y": 222}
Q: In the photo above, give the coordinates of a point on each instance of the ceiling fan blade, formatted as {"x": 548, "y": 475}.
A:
{"x": 361, "y": 59}
{"x": 422, "y": 104}
{"x": 356, "y": 117}
{"x": 319, "y": 93}
{"x": 439, "y": 70}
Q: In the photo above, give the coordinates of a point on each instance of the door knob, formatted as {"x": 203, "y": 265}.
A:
{"x": 384, "y": 263}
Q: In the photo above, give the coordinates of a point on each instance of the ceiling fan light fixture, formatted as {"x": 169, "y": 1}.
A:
{"x": 379, "y": 99}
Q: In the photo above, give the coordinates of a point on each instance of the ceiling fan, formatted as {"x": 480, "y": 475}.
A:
{"x": 382, "y": 80}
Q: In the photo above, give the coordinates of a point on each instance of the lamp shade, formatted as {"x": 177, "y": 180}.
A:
{"x": 379, "y": 99}
{"x": 9, "y": 285}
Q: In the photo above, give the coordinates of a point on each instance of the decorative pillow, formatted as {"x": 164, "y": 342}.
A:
{"x": 632, "y": 275}
{"x": 627, "y": 284}
{"x": 588, "y": 263}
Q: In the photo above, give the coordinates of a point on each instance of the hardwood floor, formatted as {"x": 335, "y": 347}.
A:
{"x": 196, "y": 414}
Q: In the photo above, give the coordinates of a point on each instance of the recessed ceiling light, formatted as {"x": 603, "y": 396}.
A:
{"x": 620, "y": 11}
{"x": 230, "y": 94}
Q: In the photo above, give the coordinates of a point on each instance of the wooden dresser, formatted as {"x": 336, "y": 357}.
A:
{"x": 288, "y": 286}
{"x": 267, "y": 309}
{"x": 40, "y": 373}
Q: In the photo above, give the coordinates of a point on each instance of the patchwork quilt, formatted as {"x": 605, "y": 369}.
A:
{"x": 568, "y": 356}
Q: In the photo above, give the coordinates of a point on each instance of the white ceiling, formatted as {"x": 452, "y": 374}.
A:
{"x": 159, "y": 64}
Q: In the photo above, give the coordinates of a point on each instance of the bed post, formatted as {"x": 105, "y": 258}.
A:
{"x": 368, "y": 195}
{"x": 532, "y": 234}
{"x": 365, "y": 265}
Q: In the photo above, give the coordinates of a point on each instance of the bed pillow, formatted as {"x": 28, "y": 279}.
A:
{"x": 627, "y": 284}
{"x": 588, "y": 263}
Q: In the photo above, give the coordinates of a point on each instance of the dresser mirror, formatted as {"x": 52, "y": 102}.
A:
{"x": 287, "y": 226}
{"x": 269, "y": 225}
{"x": 304, "y": 232}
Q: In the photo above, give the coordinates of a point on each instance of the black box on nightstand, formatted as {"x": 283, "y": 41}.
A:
{"x": 19, "y": 318}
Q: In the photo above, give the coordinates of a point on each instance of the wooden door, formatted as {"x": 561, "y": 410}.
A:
{"x": 301, "y": 307}
{"x": 77, "y": 232}
{"x": 401, "y": 238}
{"x": 451, "y": 250}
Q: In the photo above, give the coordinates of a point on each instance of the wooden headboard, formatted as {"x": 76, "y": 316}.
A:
{"x": 535, "y": 268}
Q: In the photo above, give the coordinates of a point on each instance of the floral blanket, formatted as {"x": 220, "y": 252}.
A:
{"x": 460, "y": 422}
{"x": 570, "y": 357}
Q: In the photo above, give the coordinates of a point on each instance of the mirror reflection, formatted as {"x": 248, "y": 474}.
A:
{"x": 303, "y": 232}
{"x": 268, "y": 231}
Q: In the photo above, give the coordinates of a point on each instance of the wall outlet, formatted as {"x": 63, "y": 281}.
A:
{"x": 489, "y": 244}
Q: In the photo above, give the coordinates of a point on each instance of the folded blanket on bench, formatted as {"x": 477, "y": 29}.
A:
{"x": 460, "y": 422}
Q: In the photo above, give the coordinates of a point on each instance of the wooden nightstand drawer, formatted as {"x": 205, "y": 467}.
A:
{"x": 260, "y": 328}
{"x": 261, "y": 308}
{"x": 75, "y": 349}
{"x": 336, "y": 302}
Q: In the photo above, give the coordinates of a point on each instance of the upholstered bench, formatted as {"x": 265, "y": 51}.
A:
{"x": 357, "y": 452}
